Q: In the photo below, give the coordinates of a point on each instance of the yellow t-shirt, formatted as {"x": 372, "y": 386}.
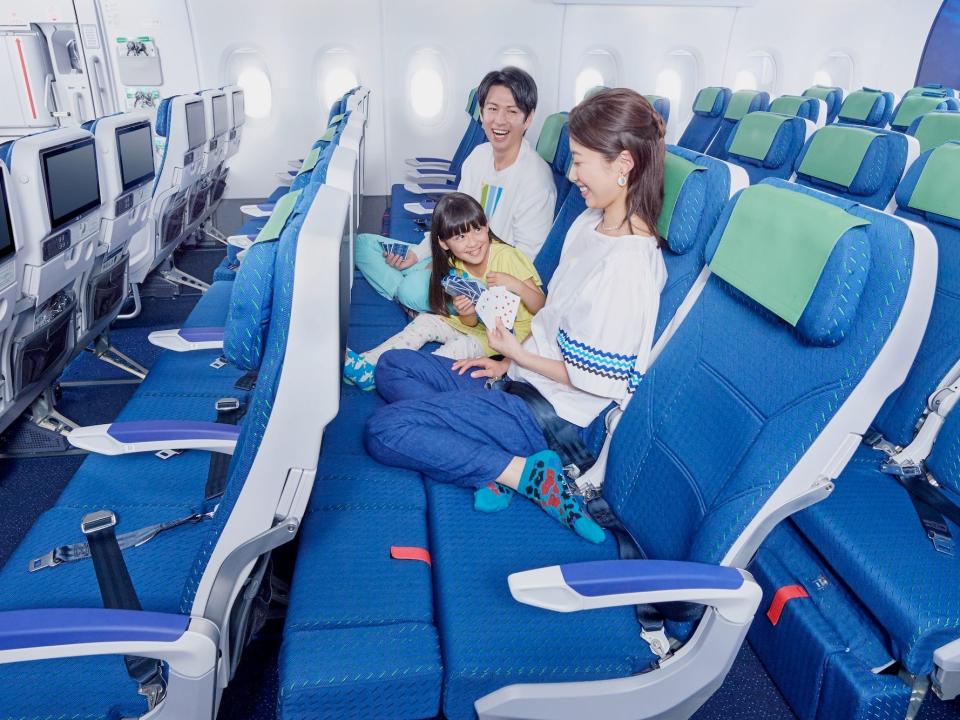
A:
{"x": 506, "y": 259}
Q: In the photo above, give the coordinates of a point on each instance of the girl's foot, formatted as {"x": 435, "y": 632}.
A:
{"x": 492, "y": 497}
{"x": 357, "y": 371}
{"x": 542, "y": 481}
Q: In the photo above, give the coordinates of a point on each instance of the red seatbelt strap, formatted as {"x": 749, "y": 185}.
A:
{"x": 781, "y": 598}
{"x": 398, "y": 552}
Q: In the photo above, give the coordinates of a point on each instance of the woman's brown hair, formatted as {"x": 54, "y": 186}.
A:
{"x": 619, "y": 119}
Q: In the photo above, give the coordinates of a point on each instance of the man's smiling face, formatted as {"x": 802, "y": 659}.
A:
{"x": 503, "y": 122}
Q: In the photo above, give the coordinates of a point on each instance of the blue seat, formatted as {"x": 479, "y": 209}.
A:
{"x": 832, "y": 96}
{"x": 807, "y": 108}
{"x": 855, "y": 162}
{"x": 661, "y": 104}
{"x": 708, "y": 109}
{"x": 868, "y": 106}
{"x": 935, "y": 128}
{"x": 913, "y": 106}
{"x": 765, "y": 144}
{"x": 741, "y": 103}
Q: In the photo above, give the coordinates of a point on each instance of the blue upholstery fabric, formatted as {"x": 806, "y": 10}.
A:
{"x": 879, "y": 115}
{"x": 948, "y": 103}
{"x": 703, "y": 126}
{"x": 824, "y": 648}
{"x": 834, "y": 99}
{"x": 6, "y": 153}
{"x": 718, "y": 146}
{"x": 780, "y": 158}
{"x": 162, "y": 129}
{"x": 877, "y": 177}
{"x": 211, "y": 309}
{"x": 548, "y": 258}
{"x": 248, "y": 318}
{"x": 944, "y": 460}
{"x": 560, "y": 166}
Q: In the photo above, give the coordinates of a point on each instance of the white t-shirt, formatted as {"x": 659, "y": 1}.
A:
{"x": 601, "y": 310}
{"x": 518, "y": 200}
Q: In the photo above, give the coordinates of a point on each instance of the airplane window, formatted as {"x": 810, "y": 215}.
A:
{"x": 822, "y": 77}
{"x": 598, "y": 67}
{"x": 520, "y": 58}
{"x": 336, "y": 83}
{"x": 588, "y": 78}
{"x": 246, "y": 69}
{"x": 426, "y": 85}
{"x": 746, "y": 80}
{"x": 836, "y": 71}
{"x": 758, "y": 73}
{"x": 678, "y": 82}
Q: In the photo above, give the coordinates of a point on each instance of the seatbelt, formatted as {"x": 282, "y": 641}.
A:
{"x": 135, "y": 538}
{"x": 229, "y": 411}
{"x": 118, "y": 593}
{"x": 930, "y": 503}
{"x": 247, "y": 381}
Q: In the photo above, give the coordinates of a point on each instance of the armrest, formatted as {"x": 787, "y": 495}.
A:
{"x": 188, "y": 644}
{"x": 189, "y": 339}
{"x": 614, "y": 583}
{"x": 258, "y": 210}
{"x": 421, "y": 208}
{"x": 295, "y": 164}
{"x": 432, "y": 162}
{"x": 429, "y": 188}
{"x": 430, "y": 175}
{"x": 123, "y": 438}
{"x": 241, "y": 241}
{"x": 286, "y": 178}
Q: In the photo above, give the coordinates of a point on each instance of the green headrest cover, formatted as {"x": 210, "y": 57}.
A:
{"x": 676, "y": 170}
{"x": 653, "y": 98}
{"x": 328, "y": 135}
{"x": 936, "y": 190}
{"x": 334, "y": 120}
{"x": 936, "y": 128}
{"x": 550, "y": 136}
{"x": 706, "y": 99}
{"x": 754, "y": 134}
{"x": 310, "y": 161}
{"x": 858, "y": 104}
{"x": 776, "y": 245}
{"x": 821, "y": 92}
{"x": 921, "y": 89}
{"x": 787, "y": 104}
{"x": 835, "y": 153}
{"x": 739, "y": 104}
{"x": 470, "y": 98}
{"x": 913, "y": 107}
{"x": 281, "y": 211}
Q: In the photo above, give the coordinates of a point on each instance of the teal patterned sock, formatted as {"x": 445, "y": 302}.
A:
{"x": 492, "y": 497}
{"x": 542, "y": 481}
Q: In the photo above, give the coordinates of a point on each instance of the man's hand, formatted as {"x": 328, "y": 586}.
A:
{"x": 486, "y": 367}
{"x": 401, "y": 263}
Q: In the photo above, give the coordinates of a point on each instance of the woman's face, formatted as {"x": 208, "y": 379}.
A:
{"x": 595, "y": 176}
{"x": 471, "y": 247}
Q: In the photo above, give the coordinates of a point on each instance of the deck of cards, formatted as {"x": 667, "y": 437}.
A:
{"x": 498, "y": 302}
{"x": 394, "y": 247}
{"x": 459, "y": 283}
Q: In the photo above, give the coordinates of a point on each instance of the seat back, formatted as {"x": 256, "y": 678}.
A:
{"x": 741, "y": 103}
{"x": 56, "y": 189}
{"x": 472, "y": 136}
{"x": 125, "y": 155}
{"x": 765, "y": 144}
{"x": 913, "y": 106}
{"x": 931, "y": 87}
{"x": 10, "y": 227}
{"x": 720, "y": 442}
{"x": 553, "y": 146}
{"x": 832, "y": 96}
{"x": 868, "y": 106}
{"x": 859, "y": 163}
{"x": 945, "y": 456}
{"x": 920, "y": 198}
{"x": 935, "y": 128}
{"x": 180, "y": 130}
{"x": 236, "y": 117}
{"x": 661, "y": 104}
{"x": 216, "y": 113}
{"x": 708, "y": 109}
{"x": 808, "y": 108}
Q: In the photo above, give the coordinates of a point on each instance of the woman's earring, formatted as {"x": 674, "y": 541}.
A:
{"x": 622, "y": 181}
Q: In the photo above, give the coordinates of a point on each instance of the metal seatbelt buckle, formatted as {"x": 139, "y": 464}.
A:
{"x": 97, "y": 521}
{"x": 219, "y": 363}
{"x": 943, "y": 544}
{"x": 44, "y": 561}
{"x": 226, "y": 404}
{"x": 658, "y": 642}
{"x": 167, "y": 453}
{"x": 905, "y": 470}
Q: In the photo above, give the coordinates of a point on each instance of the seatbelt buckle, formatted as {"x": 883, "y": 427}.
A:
{"x": 906, "y": 470}
{"x": 658, "y": 642}
{"x": 154, "y": 692}
{"x": 943, "y": 544}
{"x": 96, "y": 521}
{"x": 226, "y": 404}
{"x": 44, "y": 561}
{"x": 219, "y": 363}
{"x": 166, "y": 453}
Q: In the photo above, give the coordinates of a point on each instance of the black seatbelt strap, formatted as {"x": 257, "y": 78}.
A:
{"x": 118, "y": 593}
{"x": 930, "y": 503}
{"x": 247, "y": 381}
{"x": 229, "y": 411}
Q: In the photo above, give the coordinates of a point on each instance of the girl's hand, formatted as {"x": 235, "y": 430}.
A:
{"x": 504, "y": 341}
{"x": 463, "y": 305}
{"x": 487, "y": 367}
{"x": 506, "y": 280}
{"x": 400, "y": 263}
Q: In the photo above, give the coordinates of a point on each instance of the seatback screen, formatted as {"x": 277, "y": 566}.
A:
{"x": 70, "y": 178}
{"x": 6, "y": 225}
{"x": 135, "y": 149}
{"x": 196, "y": 124}
{"x": 239, "y": 111}
{"x": 219, "y": 114}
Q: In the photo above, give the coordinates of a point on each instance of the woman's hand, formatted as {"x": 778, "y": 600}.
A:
{"x": 505, "y": 280}
{"x": 486, "y": 367}
{"x": 504, "y": 341}
{"x": 463, "y": 305}
{"x": 400, "y": 263}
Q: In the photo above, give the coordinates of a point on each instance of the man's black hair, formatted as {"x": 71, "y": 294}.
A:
{"x": 517, "y": 81}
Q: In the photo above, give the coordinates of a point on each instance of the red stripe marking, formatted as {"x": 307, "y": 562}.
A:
{"x": 26, "y": 78}
{"x": 781, "y": 598}
{"x": 398, "y": 552}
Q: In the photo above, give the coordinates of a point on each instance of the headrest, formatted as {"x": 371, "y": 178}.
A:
{"x": 710, "y": 101}
{"x": 471, "y": 102}
{"x": 162, "y": 125}
{"x": 914, "y": 106}
{"x": 935, "y": 128}
{"x": 661, "y": 104}
{"x": 863, "y": 106}
{"x": 930, "y": 186}
{"x": 550, "y": 136}
{"x": 930, "y": 87}
{"x": 802, "y": 107}
{"x": 798, "y": 255}
{"x": 563, "y": 159}
{"x": 684, "y": 186}
{"x": 6, "y": 153}
{"x": 745, "y": 101}
{"x": 832, "y": 96}
{"x": 754, "y": 135}
{"x": 836, "y": 154}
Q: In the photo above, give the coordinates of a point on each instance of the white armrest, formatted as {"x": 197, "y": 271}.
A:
{"x": 125, "y": 438}
{"x": 188, "y": 339}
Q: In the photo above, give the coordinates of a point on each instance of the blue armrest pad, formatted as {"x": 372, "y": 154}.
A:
{"x": 203, "y": 334}
{"x": 140, "y": 431}
{"x": 431, "y": 159}
{"x": 21, "y": 629}
{"x": 436, "y": 186}
{"x": 618, "y": 577}
{"x": 267, "y": 207}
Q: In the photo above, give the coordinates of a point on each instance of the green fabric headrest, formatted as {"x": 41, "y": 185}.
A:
{"x": 755, "y": 133}
{"x": 281, "y": 211}
{"x": 858, "y": 104}
{"x": 936, "y": 190}
{"x": 550, "y": 136}
{"x": 913, "y": 107}
{"x": 787, "y": 104}
{"x": 936, "y": 128}
{"x": 676, "y": 170}
{"x": 836, "y": 152}
{"x": 739, "y": 104}
{"x": 706, "y": 99}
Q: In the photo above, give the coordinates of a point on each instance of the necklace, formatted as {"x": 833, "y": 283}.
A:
{"x": 611, "y": 228}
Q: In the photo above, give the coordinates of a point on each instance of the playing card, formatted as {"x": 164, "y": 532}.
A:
{"x": 498, "y": 302}
{"x": 395, "y": 248}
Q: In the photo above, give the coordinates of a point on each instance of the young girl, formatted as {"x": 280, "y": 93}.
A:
{"x": 588, "y": 345}
{"x": 461, "y": 241}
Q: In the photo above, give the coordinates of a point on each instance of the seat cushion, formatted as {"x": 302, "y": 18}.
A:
{"x": 871, "y": 535}
{"x": 211, "y": 309}
{"x": 489, "y": 639}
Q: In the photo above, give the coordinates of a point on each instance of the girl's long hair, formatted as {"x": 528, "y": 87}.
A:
{"x": 455, "y": 214}
{"x": 619, "y": 119}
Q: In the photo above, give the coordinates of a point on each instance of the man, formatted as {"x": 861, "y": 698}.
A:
{"x": 506, "y": 176}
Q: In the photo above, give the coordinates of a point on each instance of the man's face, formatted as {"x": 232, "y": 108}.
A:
{"x": 503, "y": 121}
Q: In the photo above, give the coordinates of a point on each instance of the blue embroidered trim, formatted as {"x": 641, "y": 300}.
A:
{"x": 599, "y": 362}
